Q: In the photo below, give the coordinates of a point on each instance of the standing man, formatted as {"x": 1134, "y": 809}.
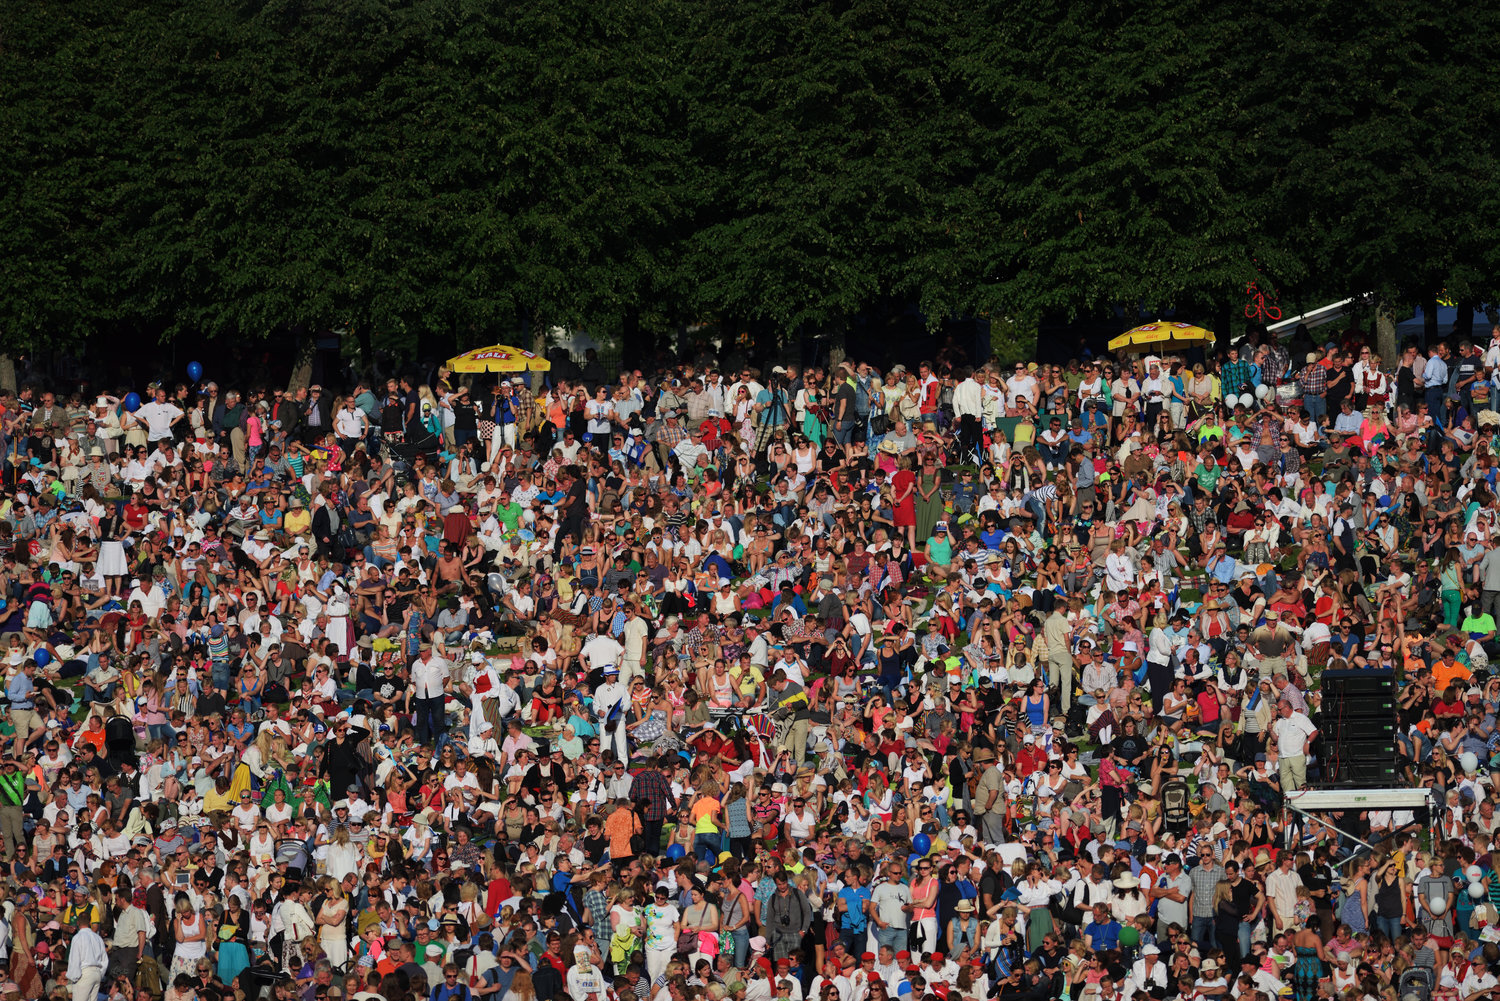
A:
{"x": 314, "y": 416}
{"x": 989, "y": 796}
{"x": 791, "y": 702}
{"x": 968, "y": 410}
{"x": 129, "y": 943}
{"x": 888, "y": 905}
{"x": 611, "y": 705}
{"x": 633, "y": 638}
{"x": 1435, "y": 382}
{"x": 1205, "y": 877}
{"x": 12, "y": 795}
{"x": 87, "y": 958}
{"x": 1059, "y": 655}
{"x": 350, "y": 425}
{"x": 430, "y": 679}
{"x": 21, "y": 691}
{"x": 1281, "y": 895}
{"x": 1294, "y": 730}
{"x": 160, "y": 417}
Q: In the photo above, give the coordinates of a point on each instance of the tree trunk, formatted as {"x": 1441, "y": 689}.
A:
{"x": 1463, "y": 324}
{"x": 838, "y": 342}
{"x": 1385, "y": 332}
{"x": 7, "y": 373}
{"x": 302, "y": 368}
{"x": 538, "y": 346}
{"x": 636, "y": 348}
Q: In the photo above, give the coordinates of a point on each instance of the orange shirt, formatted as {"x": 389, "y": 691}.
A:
{"x": 619, "y": 827}
{"x": 1444, "y": 674}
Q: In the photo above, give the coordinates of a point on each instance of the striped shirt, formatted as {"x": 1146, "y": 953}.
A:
{"x": 1205, "y": 878}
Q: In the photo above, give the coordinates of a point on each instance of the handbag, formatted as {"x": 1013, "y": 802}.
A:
{"x": 691, "y": 941}
{"x": 880, "y": 424}
{"x": 1065, "y": 910}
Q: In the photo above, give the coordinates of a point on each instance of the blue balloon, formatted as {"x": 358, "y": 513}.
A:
{"x": 132, "y": 402}
{"x": 42, "y": 658}
{"x": 195, "y": 370}
{"x": 922, "y": 843}
{"x": 912, "y": 860}
{"x": 675, "y": 851}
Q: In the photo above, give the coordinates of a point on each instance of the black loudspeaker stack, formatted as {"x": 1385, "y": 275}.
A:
{"x": 1357, "y": 723}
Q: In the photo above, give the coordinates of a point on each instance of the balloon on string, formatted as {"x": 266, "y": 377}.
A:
{"x": 42, "y": 658}
{"x": 1476, "y": 890}
{"x": 195, "y": 370}
{"x": 1247, "y": 401}
{"x": 675, "y": 851}
{"x": 1130, "y": 936}
{"x": 922, "y": 844}
{"x": 912, "y": 860}
{"x": 132, "y": 402}
{"x": 1262, "y": 391}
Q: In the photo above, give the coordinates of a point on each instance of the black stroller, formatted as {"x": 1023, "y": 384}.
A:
{"x": 119, "y": 741}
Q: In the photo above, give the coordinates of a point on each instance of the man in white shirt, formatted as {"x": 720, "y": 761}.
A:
{"x": 350, "y": 425}
{"x": 831, "y": 975}
{"x": 611, "y": 705}
{"x": 1293, "y": 731}
{"x": 1148, "y": 973}
{"x": 633, "y": 637}
{"x": 88, "y": 959}
{"x": 151, "y": 597}
{"x": 159, "y": 416}
{"x": 430, "y": 676}
{"x": 165, "y": 456}
{"x": 690, "y": 451}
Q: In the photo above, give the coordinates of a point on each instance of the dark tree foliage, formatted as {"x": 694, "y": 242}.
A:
{"x": 174, "y": 169}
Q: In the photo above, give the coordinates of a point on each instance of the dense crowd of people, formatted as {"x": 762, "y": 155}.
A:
{"x": 823, "y": 684}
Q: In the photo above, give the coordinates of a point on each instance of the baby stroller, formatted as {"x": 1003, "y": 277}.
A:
{"x": 1415, "y": 984}
{"x": 119, "y": 741}
{"x": 293, "y": 853}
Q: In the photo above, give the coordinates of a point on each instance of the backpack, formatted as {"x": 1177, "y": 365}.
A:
{"x": 148, "y": 976}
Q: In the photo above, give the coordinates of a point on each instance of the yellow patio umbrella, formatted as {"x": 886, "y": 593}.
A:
{"x": 499, "y": 358}
{"x": 1160, "y": 335}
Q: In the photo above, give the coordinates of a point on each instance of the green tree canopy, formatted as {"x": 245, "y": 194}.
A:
{"x": 444, "y": 165}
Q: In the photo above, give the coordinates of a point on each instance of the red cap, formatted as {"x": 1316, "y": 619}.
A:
{"x": 866, "y": 956}
{"x": 903, "y": 954}
{"x": 937, "y": 957}
{"x": 913, "y": 968}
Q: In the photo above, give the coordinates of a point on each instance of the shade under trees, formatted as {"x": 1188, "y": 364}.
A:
{"x": 171, "y": 169}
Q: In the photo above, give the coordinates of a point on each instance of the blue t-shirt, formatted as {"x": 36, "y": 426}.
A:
{"x": 854, "y": 918}
{"x": 1105, "y": 936}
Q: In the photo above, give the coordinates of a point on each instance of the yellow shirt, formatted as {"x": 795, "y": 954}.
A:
{"x": 297, "y": 522}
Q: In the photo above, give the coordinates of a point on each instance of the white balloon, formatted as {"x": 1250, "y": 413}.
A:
{"x": 1262, "y": 391}
{"x": 1438, "y": 905}
{"x": 1476, "y": 890}
{"x": 1473, "y": 874}
{"x": 1247, "y": 400}
{"x": 1469, "y": 761}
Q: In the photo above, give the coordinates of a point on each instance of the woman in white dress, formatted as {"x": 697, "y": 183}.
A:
{"x": 332, "y": 922}
{"x": 343, "y": 855}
